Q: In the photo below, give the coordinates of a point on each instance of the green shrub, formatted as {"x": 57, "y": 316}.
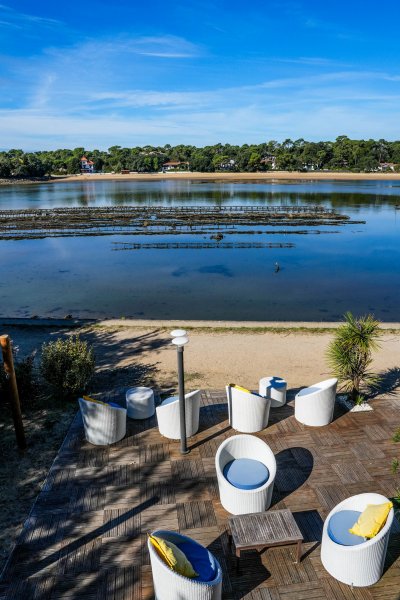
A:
{"x": 67, "y": 365}
{"x": 349, "y": 355}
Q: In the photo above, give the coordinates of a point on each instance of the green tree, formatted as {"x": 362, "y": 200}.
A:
{"x": 5, "y": 167}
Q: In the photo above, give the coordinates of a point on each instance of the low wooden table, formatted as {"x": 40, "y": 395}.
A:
{"x": 257, "y": 531}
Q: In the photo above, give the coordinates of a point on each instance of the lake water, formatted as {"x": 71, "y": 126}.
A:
{"x": 356, "y": 267}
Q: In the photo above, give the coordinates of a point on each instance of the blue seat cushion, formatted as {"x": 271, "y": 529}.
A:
{"x": 114, "y": 404}
{"x": 201, "y": 560}
{"x": 246, "y": 473}
{"x": 277, "y": 382}
{"x": 170, "y": 400}
{"x": 339, "y": 525}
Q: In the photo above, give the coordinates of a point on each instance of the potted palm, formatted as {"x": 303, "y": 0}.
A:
{"x": 349, "y": 356}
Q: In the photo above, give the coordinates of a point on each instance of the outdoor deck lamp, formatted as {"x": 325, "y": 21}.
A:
{"x": 179, "y": 340}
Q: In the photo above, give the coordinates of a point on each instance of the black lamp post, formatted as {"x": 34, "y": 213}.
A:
{"x": 179, "y": 340}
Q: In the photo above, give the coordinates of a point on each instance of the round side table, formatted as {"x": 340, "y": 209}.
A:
{"x": 140, "y": 402}
{"x": 274, "y": 388}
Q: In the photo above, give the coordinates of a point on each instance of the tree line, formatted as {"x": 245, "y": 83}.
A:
{"x": 344, "y": 154}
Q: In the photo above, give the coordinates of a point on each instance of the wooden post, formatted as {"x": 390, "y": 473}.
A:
{"x": 6, "y": 349}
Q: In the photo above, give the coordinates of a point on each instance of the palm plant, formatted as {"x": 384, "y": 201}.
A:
{"x": 349, "y": 355}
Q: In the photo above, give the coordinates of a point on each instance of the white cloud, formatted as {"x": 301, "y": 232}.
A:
{"x": 32, "y": 130}
{"x": 167, "y": 46}
{"x": 313, "y": 61}
{"x": 20, "y": 19}
{"x": 132, "y": 91}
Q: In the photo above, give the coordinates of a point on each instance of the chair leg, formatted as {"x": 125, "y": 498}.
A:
{"x": 238, "y": 562}
{"x": 299, "y": 551}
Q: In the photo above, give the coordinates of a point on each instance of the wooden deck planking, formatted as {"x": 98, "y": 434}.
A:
{"x": 86, "y": 537}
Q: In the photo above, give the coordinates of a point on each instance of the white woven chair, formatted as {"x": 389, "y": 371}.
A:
{"x": 168, "y": 416}
{"x": 238, "y": 501}
{"x": 104, "y": 424}
{"x": 169, "y": 585}
{"x": 314, "y": 405}
{"x": 360, "y": 565}
{"x": 248, "y": 412}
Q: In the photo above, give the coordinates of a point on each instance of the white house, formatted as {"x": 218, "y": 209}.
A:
{"x": 175, "y": 166}
{"x": 87, "y": 166}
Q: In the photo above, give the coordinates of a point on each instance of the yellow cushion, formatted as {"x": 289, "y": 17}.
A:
{"x": 238, "y": 387}
{"x": 371, "y": 520}
{"x": 89, "y": 399}
{"x": 173, "y": 557}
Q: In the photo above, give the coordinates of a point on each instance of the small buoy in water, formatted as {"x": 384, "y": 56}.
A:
{"x": 277, "y": 267}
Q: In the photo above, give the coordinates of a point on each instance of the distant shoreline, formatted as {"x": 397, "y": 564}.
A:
{"x": 241, "y": 326}
{"x": 268, "y": 176}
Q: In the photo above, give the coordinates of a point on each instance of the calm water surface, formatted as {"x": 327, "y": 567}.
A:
{"x": 355, "y": 267}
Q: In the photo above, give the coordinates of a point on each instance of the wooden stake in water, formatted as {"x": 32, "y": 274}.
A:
{"x": 6, "y": 349}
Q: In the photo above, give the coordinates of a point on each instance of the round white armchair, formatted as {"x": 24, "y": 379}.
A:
{"x": 251, "y": 489}
{"x": 248, "y": 412}
{"x": 169, "y": 585}
{"x": 314, "y": 405}
{"x": 362, "y": 564}
{"x": 104, "y": 423}
{"x": 168, "y": 416}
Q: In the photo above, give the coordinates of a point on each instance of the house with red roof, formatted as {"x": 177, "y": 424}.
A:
{"x": 175, "y": 166}
{"x": 87, "y": 166}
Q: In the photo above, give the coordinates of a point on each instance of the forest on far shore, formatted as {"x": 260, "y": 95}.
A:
{"x": 344, "y": 154}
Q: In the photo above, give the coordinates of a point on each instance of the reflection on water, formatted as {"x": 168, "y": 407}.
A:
{"x": 320, "y": 278}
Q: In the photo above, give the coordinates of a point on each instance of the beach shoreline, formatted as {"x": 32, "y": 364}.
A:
{"x": 268, "y": 176}
{"x": 218, "y": 352}
{"x": 195, "y": 324}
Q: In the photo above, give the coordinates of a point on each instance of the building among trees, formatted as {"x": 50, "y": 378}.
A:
{"x": 87, "y": 166}
{"x": 175, "y": 165}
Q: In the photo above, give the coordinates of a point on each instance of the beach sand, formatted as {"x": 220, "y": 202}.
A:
{"x": 269, "y": 176}
{"x": 218, "y": 352}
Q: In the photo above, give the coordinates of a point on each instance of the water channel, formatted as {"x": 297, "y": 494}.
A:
{"x": 268, "y": 274}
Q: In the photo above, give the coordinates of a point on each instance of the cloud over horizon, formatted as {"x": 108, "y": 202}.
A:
{"x": 180, "y": 82}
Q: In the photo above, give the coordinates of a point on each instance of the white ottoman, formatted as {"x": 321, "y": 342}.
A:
{"x": 274, "y": 388}
{"x": 140, "y": 402}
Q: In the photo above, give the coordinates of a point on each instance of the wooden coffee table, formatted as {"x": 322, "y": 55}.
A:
{"x": 257, "y": 531}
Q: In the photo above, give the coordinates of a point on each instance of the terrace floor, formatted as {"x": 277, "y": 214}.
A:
{"x": 86, "y": 535}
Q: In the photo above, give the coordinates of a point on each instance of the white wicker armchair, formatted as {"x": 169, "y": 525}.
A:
{"x": 360, "y": 565}
{"x": 103, "y": 424}
{"x": 242, "y": 501}
{"x": 248, "y": 412}
{"x": 314, "y": 405}
{"x": 169, "y": 585}
{"x": 168, "y": 416}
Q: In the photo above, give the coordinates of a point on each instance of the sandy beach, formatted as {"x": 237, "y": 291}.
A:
{"x": 217, "y": 356}
{"x": 218, "y": 352}
{"x": 269, "y": 176}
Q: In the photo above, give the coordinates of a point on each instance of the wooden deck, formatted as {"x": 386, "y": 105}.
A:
{"x": 86, "y": 535}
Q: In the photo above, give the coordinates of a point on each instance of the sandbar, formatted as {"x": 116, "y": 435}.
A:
{"x": 269, "y": 176}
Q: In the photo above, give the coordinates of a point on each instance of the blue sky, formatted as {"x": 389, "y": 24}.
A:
{"x": 100, "y": 73}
